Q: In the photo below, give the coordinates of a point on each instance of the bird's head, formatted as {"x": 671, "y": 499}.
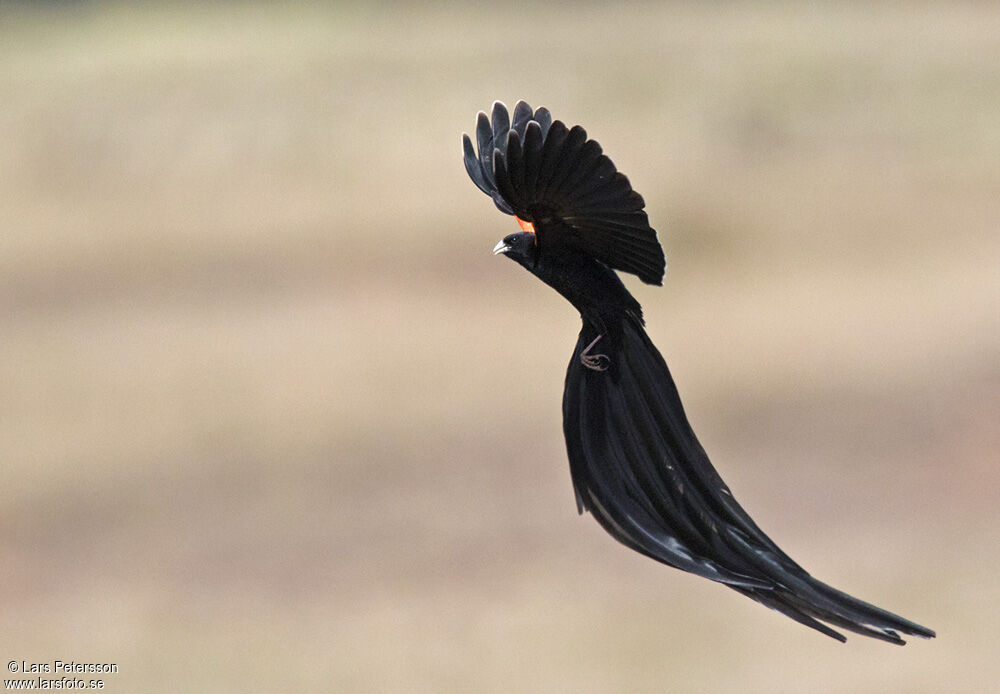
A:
{"x": 521, "y": 247}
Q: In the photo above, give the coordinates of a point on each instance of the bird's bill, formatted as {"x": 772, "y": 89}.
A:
{"x": 501, "y": 247}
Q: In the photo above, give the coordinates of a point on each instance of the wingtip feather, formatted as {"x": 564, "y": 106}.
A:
{"x": 549, "y": 166}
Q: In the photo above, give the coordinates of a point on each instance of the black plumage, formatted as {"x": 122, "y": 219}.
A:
{"x": 636, "y": 464}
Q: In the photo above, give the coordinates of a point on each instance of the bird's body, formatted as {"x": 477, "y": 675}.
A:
{"x": 593, "y": 288}
{"x": 635, "y": 461}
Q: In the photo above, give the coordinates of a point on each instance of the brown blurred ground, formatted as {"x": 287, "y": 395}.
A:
{"x": 273, "y": 419}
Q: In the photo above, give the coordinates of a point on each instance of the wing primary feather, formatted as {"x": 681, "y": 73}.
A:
{"x": 472, "y": 164}
{"x": 617, "y": 233}
{"x": 602, "y": 178}
{"x": 484, "y": 141}
{"x": 532, "y": 153}
{"x": 504, "y": 187}
{"x": 544, "y": 120}
{"x": 588, "y": 159}
{"x": 551, "y": 152}
{"x": 522, "y": 114}
{"x": 605, "y": 182}
{"x": 607, "y": 202}
{"x": 501, "y": 123}
{"x": 514, "y": 157}
{"x": 569, "y": 159}
{"x": 500, "y": 128}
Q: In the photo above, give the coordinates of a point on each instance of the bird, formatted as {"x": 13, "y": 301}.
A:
{"x": 636, "y": 465}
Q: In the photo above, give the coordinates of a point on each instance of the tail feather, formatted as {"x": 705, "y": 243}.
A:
{"x": 638, "y": 467}
{"x": 770, "y": 599}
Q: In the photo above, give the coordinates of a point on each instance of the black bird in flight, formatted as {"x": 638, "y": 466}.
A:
{"x": 636, "y": 464}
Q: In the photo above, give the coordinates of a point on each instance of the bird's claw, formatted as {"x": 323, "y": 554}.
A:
{"x": 597, "y": 362}
{"x": 593, "y": 361}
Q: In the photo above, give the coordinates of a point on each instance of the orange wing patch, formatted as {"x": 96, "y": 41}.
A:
{"x": 526, "y": 226}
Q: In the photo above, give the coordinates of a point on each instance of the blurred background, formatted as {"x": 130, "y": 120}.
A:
{"x": 273, "y": 418}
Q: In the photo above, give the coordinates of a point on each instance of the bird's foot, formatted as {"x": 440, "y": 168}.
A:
{"x": 597, "y": 362}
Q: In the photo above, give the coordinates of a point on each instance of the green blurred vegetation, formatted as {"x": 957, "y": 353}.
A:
{"x": 273, "y": 418}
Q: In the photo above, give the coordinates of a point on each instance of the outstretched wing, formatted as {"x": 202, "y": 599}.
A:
{"x": 563, "y": 183}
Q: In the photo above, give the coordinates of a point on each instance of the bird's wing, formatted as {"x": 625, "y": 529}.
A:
{"x": 638, "y": 468}
{"x": 554, "y": 177}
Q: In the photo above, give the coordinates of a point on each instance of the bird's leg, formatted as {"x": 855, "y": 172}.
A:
{"x": 593, "y": 361}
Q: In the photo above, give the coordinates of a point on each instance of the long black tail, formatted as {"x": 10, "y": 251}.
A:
{"x": 638, "y": 468}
